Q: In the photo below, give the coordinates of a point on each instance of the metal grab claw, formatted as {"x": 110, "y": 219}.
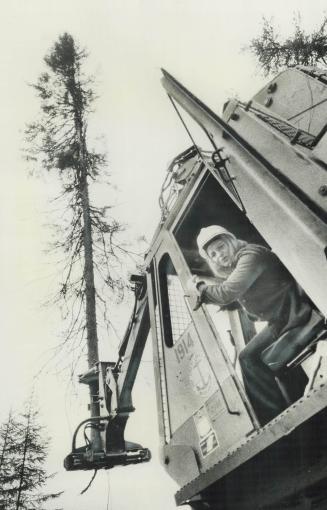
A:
{"x": 115, "y": 451}
{"x": 84, "y": 459}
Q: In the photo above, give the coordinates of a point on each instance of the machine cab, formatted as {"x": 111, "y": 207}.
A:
{"x": 202, "y": 404}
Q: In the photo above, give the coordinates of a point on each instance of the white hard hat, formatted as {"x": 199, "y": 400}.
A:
{"x": 208, "y": 234}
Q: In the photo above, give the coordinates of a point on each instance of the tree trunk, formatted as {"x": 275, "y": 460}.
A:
{"x": 90, "y": 299}
{"x": 90, "y": 305}
{"x": 5, "y": 442}
{"x": 22, "y": 472}
{"x": 91, "y": 322}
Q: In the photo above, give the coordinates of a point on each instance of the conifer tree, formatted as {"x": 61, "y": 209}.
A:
{"x": 24, "y": 450}
{"x": 300, "y": 48}
{"x": 9, "y": 449}
{"x": 59, "y": 142}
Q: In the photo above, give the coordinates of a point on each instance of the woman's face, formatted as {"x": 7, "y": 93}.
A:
{"x": 220, "y": 253}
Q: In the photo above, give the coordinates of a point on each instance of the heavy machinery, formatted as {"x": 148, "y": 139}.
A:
{"x": 260, "y": 170}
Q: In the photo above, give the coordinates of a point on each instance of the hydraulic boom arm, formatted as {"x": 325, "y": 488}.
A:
{"x": 115, "y": 383}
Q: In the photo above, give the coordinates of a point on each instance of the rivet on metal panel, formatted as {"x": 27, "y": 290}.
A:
{"x": 323, "y": 190}
{"x": 268, "y": 101}
{"x": 272, "y": 87}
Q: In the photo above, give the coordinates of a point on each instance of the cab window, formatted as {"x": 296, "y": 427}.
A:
{"x": 175, "y": 314}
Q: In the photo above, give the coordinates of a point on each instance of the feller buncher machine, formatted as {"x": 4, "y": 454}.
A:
{"x": 259, "y": 170}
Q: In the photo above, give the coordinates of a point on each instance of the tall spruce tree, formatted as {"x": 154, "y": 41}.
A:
{"x": 300, "y": 48}
{"x": 24, "y": 450}
{"x": 88, "y": 235}
{"x": 9, "y": 450}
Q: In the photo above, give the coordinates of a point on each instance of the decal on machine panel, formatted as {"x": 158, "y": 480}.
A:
{"x": 208, "y": 440}
{"x": 190, "y": 378}
{"x": 201, "y": 377}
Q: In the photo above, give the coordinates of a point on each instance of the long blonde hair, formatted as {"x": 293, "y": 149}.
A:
{"x": 234, "y": 246}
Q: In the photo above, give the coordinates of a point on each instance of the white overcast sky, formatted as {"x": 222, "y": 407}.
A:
{"x": 128, "y": 41}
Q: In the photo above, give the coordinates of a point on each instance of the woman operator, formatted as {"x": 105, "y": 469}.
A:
{"x": 254, "y": 277}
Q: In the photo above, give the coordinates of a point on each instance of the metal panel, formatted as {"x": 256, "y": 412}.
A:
{"x": 190, "y": 378}
{"x": 291, "y": 162}
{"x": 283, "y": 425}
{"x": 213, "y": 429}
{"x": 297, "y": 97}
{"x": 206, "y": 409}
{"x": 180, "y": 463}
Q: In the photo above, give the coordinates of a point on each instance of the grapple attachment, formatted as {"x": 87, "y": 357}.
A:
{"x": 85, "y": 458}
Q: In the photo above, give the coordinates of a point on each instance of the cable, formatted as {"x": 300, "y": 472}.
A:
{"x": 216, "y": 151}
{"x": 307, "y": 109}
{"x": 185, "y": 126}
{"x": 90, "y": 482}
{"x": 108, "y": 493}
{"x": 91, "y": 420}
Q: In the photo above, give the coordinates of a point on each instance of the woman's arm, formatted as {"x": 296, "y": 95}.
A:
{"x": 247, "y": 270}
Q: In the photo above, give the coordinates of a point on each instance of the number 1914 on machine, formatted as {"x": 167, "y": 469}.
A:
{"x": 184, "y": 346}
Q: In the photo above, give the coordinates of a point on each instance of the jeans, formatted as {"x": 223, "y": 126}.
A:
{"x": 260, "y": 384}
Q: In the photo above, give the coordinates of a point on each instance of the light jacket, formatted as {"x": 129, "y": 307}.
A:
{"x": 267, "y": 291}
{"x": 257, "y": 280}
